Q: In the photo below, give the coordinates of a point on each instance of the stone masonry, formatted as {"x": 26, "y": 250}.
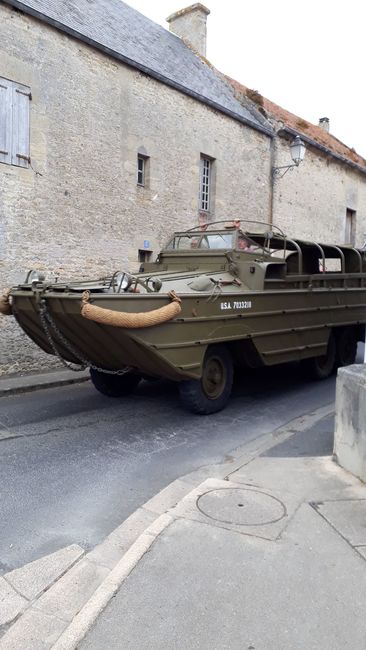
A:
{"x": 311, "y": 201}
{"x": 78, "y": 211}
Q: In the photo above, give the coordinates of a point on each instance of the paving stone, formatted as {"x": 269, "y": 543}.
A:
{"x": 361, "y": 550}
{"x": 348, "y": 518}
{"x": 70, "y": 593}
{"x": 33, "y": 578}
{"x": 11, "y": 603}
{"x": 33, "y": 631}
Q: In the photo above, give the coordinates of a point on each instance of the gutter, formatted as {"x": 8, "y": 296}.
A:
{"x": 288, "y": 131}
{"x": 138, "y": 66}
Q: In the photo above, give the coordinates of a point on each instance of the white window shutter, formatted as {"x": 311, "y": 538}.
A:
{"x": 6, "y": 120}
{"x": 20, "y": 132}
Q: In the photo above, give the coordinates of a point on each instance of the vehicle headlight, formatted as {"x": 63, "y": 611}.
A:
{"x": 122, "y": 281}
{"x": 34, "y": 276}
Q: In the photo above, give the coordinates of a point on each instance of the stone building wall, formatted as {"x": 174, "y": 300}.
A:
{"x": 78, "y": 211}
{"x": 311, "y": 201}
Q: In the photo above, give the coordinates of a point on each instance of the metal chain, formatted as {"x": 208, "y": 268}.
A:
{"x": 48, "y": 323}
{"x": 44, "y": 316}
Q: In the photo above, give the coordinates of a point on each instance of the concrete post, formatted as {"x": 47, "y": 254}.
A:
{"x": 350, "y": 424}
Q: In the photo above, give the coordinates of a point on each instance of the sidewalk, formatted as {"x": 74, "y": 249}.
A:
{"x": 264, "y": 552}
{"x": 10, "y": 385}
{"x": 273, "y": 558}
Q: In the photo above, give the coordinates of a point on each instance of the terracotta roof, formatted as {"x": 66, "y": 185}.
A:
{"x": 310, "y": 131}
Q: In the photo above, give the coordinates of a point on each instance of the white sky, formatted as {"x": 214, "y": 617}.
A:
{"x": 308, "y": 56}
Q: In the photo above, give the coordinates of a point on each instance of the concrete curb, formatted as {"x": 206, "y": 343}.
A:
{"x": 32, "y": 382}
{"x": 72, "y": 636}
{"x": 67, "y": 610}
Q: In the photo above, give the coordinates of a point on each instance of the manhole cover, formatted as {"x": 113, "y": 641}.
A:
{"x": 241, "y": 507}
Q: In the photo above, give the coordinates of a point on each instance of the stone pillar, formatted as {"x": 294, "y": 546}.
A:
{"x": 190, "y": 25}
{"x": 350, "y": 424}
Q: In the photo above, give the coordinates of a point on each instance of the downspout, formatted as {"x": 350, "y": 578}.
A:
{"x": 272, "y": 160}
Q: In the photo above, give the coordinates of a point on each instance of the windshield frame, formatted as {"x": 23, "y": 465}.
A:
{"x": 199, "y": 241}
{"x": 202, "y": 241}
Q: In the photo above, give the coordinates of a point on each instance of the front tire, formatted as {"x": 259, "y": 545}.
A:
{"x": 210, "y": 393}
{"x": 114, "y": 385}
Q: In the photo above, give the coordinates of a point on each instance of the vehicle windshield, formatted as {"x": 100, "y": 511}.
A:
{"x": 203, "y": 241}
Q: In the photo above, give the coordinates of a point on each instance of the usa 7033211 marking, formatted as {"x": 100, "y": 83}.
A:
{"x": 237, "y": 304}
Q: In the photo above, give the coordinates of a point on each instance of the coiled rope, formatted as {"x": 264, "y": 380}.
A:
{"x": 131, "y": 320}
{"x": 5, "y": 306}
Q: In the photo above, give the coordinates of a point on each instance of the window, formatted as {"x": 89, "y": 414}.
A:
{"x": 350, "y": 230}
{"x": 144, "y": 256}
{"x": 205, "y": 184}
{"x": 142, "y": 170}
{"x": 14, "y": 123}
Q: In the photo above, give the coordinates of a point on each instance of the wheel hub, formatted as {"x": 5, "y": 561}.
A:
{"x": 213, "y": 380}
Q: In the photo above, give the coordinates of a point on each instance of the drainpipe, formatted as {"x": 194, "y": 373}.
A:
{"x": 272, "y": 159}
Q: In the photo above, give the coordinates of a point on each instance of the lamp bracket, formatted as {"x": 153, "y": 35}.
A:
{"x": 279, "y": 172}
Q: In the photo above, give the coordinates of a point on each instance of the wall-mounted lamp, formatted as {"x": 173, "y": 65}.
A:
{"x": 297, "y": 150}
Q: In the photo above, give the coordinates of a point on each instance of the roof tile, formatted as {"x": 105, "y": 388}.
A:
{"x": 298, "y": 124}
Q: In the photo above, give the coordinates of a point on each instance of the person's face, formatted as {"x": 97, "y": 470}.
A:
{"x": 243, "y": 244}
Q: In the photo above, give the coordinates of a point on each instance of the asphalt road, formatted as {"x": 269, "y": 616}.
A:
{"x": 74, "y": 464}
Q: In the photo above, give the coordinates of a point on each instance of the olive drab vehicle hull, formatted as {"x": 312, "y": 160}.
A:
{"x": 218, "y": 296}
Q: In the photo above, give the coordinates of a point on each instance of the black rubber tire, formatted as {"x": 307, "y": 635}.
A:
{"x": 346, "y": 344}
{"x": 114, "y": 385}
{"x": 210, "y": 393}
{"x": 150, "y": 378}
{"x": 322, "y": 367}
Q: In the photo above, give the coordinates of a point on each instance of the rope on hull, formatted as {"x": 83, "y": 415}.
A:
{"x": 5, "y": 306}
{"x": 131, "y": 320}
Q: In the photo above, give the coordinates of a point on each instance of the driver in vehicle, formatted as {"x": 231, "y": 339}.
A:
{"x": 244, "y": 244}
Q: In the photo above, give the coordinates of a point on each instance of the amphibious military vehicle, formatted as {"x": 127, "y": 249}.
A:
{"x": 217, "y": 297}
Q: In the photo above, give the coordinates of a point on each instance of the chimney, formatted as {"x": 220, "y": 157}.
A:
{"x": 324, "y": 123}
{"x": 190, "y": 25}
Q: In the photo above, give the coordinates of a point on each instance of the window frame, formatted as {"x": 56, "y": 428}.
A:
{"x": 205, "y": 183}
{"x": 350, "y": 226}
{"x": 15, "y": 113}
{"x": 144, "y": 171}
{"x": 141, "y": 159}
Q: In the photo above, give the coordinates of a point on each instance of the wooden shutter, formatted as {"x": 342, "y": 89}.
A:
{"x": 6, "y": 120}
{"x": 20, "y": 132}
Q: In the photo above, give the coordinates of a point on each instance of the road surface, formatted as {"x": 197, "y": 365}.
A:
{"x": 74, "y": 464}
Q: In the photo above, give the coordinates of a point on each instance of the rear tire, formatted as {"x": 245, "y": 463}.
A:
{"x": 150, "y": 378}
{"x": 210, "y": 393}
{"x": 114, "y": 385}
{"x": 322, "y": 367}
{"x": 346, "y": 343}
